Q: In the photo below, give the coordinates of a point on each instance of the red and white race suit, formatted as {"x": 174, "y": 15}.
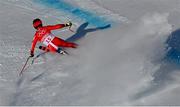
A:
{"x": 44, "y": 35}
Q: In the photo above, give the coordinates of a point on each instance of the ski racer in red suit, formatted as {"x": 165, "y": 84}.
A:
{"x": 51, "y": 42}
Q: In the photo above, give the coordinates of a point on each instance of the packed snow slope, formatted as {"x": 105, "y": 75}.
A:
{"x": 128, "y": 53}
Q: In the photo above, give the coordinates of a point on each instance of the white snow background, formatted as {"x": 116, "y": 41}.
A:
{"x": 120, "y": 65}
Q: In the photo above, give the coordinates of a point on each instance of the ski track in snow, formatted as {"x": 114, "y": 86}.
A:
{"x": 134, "y": 74}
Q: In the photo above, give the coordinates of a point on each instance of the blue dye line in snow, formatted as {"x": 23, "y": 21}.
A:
{"x": 89, "y": 17}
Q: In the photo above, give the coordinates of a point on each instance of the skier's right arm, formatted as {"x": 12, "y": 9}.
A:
{"x": 59, "y": 26}
{"x": 33, "y": 45}
{"x": 54, "y": 27}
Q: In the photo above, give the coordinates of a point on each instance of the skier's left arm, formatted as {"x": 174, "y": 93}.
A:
{"x": 59, "y": 26}
{"x": 33, "y": 45}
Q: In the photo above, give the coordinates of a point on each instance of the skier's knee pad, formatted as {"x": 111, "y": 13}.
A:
{"x": 44, "y": 48}
{"x": 40, "y": 47}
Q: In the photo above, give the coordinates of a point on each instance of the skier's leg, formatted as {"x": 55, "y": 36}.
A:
{"x": 68, "y": 44}
{"x": 61, "y": 43}
{"x": 51, "y": 49}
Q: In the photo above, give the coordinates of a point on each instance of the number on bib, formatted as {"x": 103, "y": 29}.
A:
{"x": 48, "y": 40}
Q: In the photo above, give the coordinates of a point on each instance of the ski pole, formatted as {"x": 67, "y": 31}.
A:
{"x": 38, "y": 57}
{"x": 24, "y": 66}
{"x": 71, "y": 29}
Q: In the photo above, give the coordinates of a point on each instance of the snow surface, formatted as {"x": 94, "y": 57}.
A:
{"x": 118, "y": 65}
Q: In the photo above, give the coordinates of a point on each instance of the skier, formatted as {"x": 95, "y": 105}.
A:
{"x": 51, "y": 42}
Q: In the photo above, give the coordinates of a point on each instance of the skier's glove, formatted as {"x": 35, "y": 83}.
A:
{"x": 31, "y": 54}
{"x": 68, "y": 24}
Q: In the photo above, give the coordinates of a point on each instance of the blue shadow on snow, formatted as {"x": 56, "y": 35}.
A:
{"x": 82, "y": 31}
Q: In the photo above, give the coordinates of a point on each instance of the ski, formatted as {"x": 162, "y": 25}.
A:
{"x": 37, "y": 56}
{"x": 62, "y": 52}
{"x": 25, "y": 67}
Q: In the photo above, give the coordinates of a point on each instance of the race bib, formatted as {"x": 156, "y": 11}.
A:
{"x": 47, "y": 40}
